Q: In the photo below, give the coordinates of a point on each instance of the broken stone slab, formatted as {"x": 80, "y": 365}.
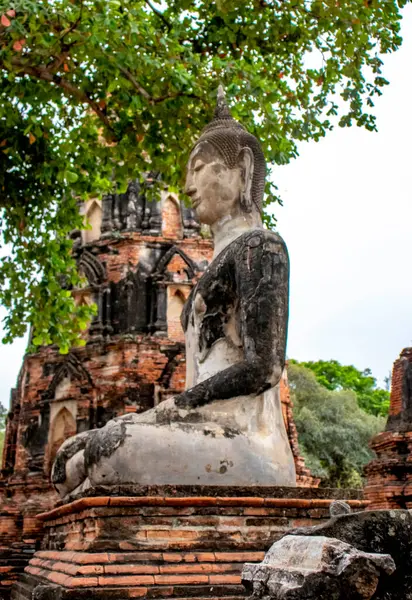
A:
{"x": 322, "y": 568}
{"x": 380, "y": 532}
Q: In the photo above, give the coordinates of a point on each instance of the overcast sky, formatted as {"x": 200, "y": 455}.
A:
{"x": 347, "y": 221}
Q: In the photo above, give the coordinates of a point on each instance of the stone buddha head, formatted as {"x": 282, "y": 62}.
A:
{"x": 226, "y": 170}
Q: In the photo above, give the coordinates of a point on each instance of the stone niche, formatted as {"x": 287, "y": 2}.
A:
{"x": 172, "y": 222}
{"x": 92, "y": 210}
{"x": 62, "y": 426}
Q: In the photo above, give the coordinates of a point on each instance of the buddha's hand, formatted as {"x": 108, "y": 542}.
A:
{"x": 165, "y": 412}
{"x": 192, "y": 398}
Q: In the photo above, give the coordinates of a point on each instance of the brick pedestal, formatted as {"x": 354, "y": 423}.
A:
{"x": 180, "y": 543}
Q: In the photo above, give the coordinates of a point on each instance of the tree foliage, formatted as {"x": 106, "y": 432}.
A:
{"x": 334, "y": 376}
{"x": 94, "y": 93}
{"x": 334, "y": 431}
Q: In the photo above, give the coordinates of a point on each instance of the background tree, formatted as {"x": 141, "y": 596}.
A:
{"x": 334, "y": 431}
{"x": 94, "y": 93}
{"x": 334, "y": 376}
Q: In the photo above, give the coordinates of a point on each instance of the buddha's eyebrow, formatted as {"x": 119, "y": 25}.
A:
{"x": 195, "y": 160}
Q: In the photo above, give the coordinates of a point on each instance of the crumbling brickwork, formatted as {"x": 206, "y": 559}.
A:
{"x": 389, "y": 476}
{"x": 140, "y": 260}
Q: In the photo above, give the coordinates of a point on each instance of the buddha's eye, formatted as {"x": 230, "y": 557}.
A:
{"x": 198, "y": 167}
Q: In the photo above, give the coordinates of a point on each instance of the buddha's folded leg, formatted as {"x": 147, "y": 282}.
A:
{"x": 69, "y": 470}
{"x": 168, "y": 446}
{"x": 125, "y": 453}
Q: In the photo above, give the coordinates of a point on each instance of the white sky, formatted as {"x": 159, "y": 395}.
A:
{"x": 347, "y": 221}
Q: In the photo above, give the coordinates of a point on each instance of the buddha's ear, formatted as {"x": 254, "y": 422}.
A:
{"x": 246, "y": 162}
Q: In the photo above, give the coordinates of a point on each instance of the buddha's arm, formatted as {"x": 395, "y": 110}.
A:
{"x": 262, "y": 277}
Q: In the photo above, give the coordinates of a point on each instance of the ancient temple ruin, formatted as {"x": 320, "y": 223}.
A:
{"x": 389, "y": 475}
{"x": 140, "y": 259}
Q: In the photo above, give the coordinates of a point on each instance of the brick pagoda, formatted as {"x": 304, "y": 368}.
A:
{"x": 140, "y": 259}
{"x": 389, "y": 476}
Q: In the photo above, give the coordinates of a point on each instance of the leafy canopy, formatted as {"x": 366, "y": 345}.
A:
{"x": 334, "y": 376}
{"x": 94, "y": 93}
{"x": 334, "y": 431}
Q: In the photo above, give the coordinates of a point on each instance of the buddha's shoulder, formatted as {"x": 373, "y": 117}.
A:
{"x": 269, "y": 240}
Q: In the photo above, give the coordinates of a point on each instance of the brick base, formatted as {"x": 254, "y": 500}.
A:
{"x": 165, "y": 546}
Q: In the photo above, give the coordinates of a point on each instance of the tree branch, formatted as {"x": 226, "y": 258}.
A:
{"x": 135, "y": 83}
{"x": 57, "y": 62}
{"x": 139, "y": 88}
{"x": 70, "y": 89}
{"x": 159, "y": 14}
{"x": 176, "y": 95}
{"x": 73, "y": 25}
{"x": 146, "y": 94}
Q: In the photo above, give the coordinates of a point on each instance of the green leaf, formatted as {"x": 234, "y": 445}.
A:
{"x": 71, "y": 177}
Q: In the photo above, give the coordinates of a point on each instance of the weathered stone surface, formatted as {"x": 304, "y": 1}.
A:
{"x": 319, "y": 567}
{"x": 339, "y": 507}
{"x": 380, "y": 532}
{"x": 47, "y": 592}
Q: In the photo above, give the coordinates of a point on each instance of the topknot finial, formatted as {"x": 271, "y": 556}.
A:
{"x": 222, "y": 110}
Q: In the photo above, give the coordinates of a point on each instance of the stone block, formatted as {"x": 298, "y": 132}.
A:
{"x": 300, "y": 567}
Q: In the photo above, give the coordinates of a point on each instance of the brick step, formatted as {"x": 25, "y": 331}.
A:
{"x": 155, "y": 558}
{"x": 93, "y": 578}
{"x": 136, "y": 569}
{"x": 224, "y": 592}
{"x": 23, "y": 590}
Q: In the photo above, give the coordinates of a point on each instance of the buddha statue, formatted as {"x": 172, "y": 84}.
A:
{"x": 227, "y": 428}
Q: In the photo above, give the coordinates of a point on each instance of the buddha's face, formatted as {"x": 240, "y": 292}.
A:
{"x": 214, "y": 189}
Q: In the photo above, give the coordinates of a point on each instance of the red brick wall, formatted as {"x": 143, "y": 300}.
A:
{"x": 397, "y": 379}
{"x": 389, "y": 475}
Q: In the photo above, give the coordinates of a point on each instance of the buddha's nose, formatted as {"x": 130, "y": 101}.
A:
{"x": 190, "y": 189}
